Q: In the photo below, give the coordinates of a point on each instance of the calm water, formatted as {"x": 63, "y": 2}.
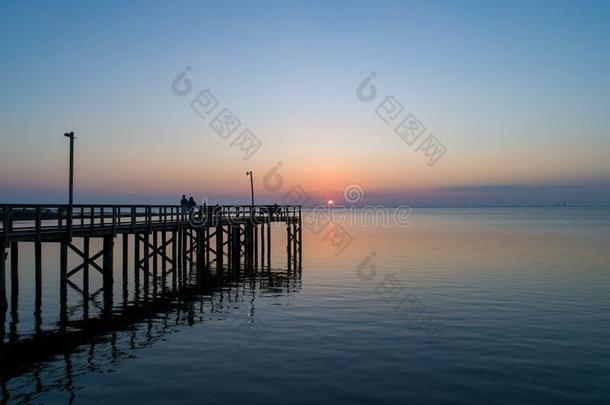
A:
{"x": 462, "y": 306}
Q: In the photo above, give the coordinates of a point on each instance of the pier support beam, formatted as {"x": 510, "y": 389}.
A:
{"x": 174, "y": 259}
{"x": 219, "y": 248}
{"x": 235, "y": 246}
{"x": 199, "y": 247}
{"x": 14, "y": 273}
{"x": 294, "y": 244}
{"x": 269, "y": 245}
{"x": 184, "y": 253}
{"x": 125, "y": 260}
{"x": 146, "y": 259}
{"x": 136, "y": 263}
{"x": 63, "y": 284}
{"x": 191, "y": 247}
{"x": 249, "y": 245}
{"x": 178, "y": 242}
{"x": 207, "y": 247}
{"x": 164, "y": 261}
{"x": 3, "y": 303}
{"x": 155, "y": 258}
{"x": 2, "y": 318}
{"x": 108, "y": 276}
{"x": 288, "y": 243}
{"x": 255, "y": 246}
{"x": 86, "y": 271}
{"x": 38, "y": 274}
{"x": 262, "y": 246}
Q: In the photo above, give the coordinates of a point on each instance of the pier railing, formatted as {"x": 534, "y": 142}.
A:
{"x": 39, "y": 219}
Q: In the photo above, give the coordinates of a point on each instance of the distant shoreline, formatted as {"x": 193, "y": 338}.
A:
{"x": 465, "y": 206}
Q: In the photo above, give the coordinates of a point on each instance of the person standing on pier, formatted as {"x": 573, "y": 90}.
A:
{"x": 184, "y": 203}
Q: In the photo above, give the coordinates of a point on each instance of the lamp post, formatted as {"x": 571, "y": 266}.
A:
{"x": 249, "y": 174}
{"x": 70, "y": 135}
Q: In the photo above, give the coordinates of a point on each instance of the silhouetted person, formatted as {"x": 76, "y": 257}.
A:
{"x": 184, "y": 202}
{"x": 191, "y": 202}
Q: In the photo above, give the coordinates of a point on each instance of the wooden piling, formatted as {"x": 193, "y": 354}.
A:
{"x": 136, "y": 261}
{"x": 262, "y": 245}
{"x": 108, "y": 267}
{"x": 230, "y": 247}
{"x": 2, "y": 315}
{"x": 191, "y": 249}
{"x": 294, "y": 243}
{"x": 268, "y": 245}
{"x": 3, "y": 303}
{"x": 199, "y": 247}
{"x": 163, "y": 260}
{"x": 174, "y": 259}
{"x": 38, "y": 273}
{"x": 14, "y": 273}
{"x": 219, "y": 248}
{"x": 207, "y": 247}
{"x": 146, "y": 258}
{"x": 125, "y": 260}
{"x": 86, "y": 269}
{"x": 63, "y": 284}
{"x": 155, "y": 258}
{"x": 235, "y": 246}
{"x": 184, "y": 253}
{"x": 288, "y": 243}
{"x": 255, "y": 246}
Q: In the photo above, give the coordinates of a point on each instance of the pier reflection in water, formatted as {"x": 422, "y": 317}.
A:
{"x": 48, "y": 340}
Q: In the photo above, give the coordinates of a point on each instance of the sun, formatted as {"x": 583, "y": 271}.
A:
{"x": 330, "y": 202}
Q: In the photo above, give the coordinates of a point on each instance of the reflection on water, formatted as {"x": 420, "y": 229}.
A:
{"x": 99, "y": 329}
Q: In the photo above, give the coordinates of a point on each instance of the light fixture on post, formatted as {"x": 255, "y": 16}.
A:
{"x": 70, "y": 135}
{"x": 249, "y": 174}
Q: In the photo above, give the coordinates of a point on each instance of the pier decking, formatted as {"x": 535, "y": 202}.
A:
{"x": 167, "y": 239}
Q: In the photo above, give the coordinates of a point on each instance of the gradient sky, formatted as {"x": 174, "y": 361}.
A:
{"x": 518, "y": 92}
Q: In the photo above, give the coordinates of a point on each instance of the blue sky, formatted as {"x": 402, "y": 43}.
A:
{"x": 516, "y": 91}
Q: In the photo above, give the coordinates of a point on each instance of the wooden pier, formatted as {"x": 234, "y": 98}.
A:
{"x": 168, "y": 241}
